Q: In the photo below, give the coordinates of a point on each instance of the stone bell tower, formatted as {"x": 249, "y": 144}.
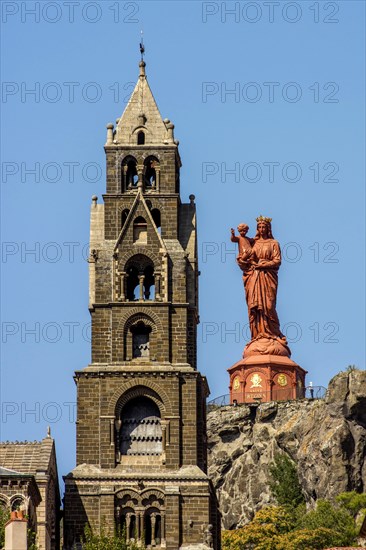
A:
{"x": 141, "y": 424}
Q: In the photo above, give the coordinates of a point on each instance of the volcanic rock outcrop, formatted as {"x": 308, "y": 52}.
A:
{"x": 325, "y": 437}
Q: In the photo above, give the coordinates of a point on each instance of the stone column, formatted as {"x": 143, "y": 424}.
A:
{"x": 141, "y": 283}
{"x": 153, "y": 527}
{"x": 128, "y": 526}
{"x": 140, "y": 529}
{"x": 157, "y": 183}
{"x": 140, "y": 175}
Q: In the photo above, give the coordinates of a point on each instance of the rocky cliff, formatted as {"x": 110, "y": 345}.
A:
{"x": 326, "y": 438}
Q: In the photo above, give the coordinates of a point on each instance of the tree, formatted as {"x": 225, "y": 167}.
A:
{"x": 285, "y": 484}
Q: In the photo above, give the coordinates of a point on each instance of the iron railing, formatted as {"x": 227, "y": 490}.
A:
{"x": 310, "y": 392}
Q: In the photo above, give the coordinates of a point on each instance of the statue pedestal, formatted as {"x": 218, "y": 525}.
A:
{"x": 260, "y": 378}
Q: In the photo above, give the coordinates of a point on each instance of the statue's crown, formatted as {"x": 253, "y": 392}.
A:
{"x": 264, "y": 219}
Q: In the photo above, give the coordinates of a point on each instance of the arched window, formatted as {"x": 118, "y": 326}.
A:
{"x": 150, "y": 170}
{"x": 141, "y": 432}
{"x": 129, "y": 171}
{"x": 140, "y": 230}
{"x": 124, "y": 216}
{"x": 157, "y": 219}
{"x": 141, "y": 138}
{"x": 141, "y": 340}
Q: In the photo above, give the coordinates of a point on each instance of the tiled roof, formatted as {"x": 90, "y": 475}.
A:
{"x": 26, "y": 457}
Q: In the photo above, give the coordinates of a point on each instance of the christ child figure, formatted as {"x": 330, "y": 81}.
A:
{"x": 244, "y": 243}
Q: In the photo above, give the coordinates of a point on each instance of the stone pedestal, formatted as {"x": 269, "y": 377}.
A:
{"x": 260, "y": 378}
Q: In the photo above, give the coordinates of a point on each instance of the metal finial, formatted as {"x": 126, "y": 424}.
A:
{"x": 142, "y": 47}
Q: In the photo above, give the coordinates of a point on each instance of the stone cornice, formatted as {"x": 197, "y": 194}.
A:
{"x": 143, "y": 303}
{"x": 124, "y": 371}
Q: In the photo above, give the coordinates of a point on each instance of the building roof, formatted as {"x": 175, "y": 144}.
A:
{"x": 7, "y": 472}
{"x": 25, "y": 457}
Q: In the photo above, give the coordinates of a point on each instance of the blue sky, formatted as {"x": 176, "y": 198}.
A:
{"x": 268, "y": 104}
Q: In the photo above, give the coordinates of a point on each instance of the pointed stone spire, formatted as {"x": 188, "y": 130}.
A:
{"x": 141, "y": 122}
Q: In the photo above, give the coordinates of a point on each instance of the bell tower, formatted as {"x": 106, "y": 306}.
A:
{"x": 141, "y": 423}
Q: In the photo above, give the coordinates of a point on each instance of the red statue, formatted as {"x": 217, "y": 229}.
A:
{"x": 266, "y": 371}
{"x": 260, "y": 259}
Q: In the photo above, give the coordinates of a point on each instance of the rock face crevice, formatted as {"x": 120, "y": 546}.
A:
{"x": 326, "y": 439}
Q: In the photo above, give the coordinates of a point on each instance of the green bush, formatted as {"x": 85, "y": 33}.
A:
{"x": 106, "y": 541}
